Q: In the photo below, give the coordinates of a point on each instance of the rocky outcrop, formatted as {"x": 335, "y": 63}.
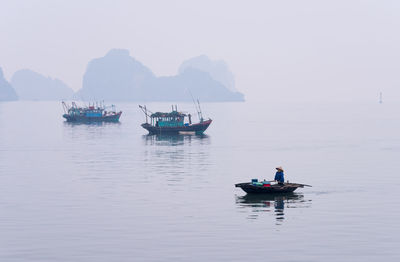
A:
{"x": 118, "y": 76}
{"x": 191, "y": 83}
{"x": 7, "y": 93}
{"x": 34, "y": 86}
{"x": 217, "y": 69}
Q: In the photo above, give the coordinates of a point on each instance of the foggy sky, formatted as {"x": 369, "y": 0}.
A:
{"x": 276, "y": 49}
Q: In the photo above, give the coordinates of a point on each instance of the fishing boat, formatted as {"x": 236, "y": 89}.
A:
{"x": 174, "y": 122}
{"x": 97, "y": 112}
{"x": 266, "y": 187}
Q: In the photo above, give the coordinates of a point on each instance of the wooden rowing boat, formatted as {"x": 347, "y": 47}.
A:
{"x": 251, "y": 188}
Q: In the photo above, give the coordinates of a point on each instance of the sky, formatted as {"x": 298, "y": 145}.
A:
{"x": 280, "y": 50}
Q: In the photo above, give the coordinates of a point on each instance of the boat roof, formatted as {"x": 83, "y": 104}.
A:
{"x": 170, "y": 114}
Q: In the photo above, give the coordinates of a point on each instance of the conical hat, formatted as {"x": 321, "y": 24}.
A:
{"x": 279, "y": 168}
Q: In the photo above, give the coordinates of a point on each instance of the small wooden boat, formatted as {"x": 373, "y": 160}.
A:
{"x": 253, "y": 188}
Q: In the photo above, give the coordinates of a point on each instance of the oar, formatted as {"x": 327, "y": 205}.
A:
{"x": 305, "y": 185}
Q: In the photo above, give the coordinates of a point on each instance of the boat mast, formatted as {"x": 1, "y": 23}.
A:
{"x": 65, "y": 107}
{"x": 145, "y": 112}
{"x": 199, "y": 112}
{"x": 380, "y": 98}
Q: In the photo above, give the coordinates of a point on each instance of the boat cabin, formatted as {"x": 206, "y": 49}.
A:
{"x": 94, "y": 112}
{"x": 172, "y": 119}
{"x": 87, "y": 112}
{"x": 91, "y": 111}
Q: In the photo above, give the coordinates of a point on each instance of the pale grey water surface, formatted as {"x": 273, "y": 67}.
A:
{"x": 108, "y": 192}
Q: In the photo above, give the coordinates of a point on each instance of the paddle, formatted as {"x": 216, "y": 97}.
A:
{"x": 305, "y": 185}
{"x": 287, "y": 182}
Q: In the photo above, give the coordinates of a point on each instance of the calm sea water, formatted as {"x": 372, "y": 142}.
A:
{"x": 109, "y": 192}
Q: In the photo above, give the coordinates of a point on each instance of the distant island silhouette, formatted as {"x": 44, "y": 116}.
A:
{"x": 118, "y": 76}
{"x": 30, "y": 85}
{"x": 218, "y": 70}
{"x": 7, "y": 92}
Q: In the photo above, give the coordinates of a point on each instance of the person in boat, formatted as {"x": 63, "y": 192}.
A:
{"x": 279, "y": 177}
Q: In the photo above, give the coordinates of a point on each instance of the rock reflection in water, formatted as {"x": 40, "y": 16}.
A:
{"x": 256, "y": 204}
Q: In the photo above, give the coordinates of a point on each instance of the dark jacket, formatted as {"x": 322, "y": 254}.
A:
{"x": 279, "y": 177}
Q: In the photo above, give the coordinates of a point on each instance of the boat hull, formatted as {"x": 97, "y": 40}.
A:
{"x": 274, "y": 189}
{"x": 198, "y": 128}
{"x": 85, "y": 119}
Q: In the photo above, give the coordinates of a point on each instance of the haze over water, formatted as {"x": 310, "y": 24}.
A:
{"x": 109, "y": 192}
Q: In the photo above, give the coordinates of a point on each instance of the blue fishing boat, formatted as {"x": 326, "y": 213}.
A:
{"x": 97, "y": 112}
{"x": 174, "y": 122}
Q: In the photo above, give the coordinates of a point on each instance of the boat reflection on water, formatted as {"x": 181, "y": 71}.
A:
{"x": 175, "y": 140}
{"x": 176, "y": 158}
{"x": 82, "y": 132}
{"x": 91, "y": 124}
{"x": 274, "y": 204}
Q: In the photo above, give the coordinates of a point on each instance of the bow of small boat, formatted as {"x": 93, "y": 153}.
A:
{"x": 241, "y": 184}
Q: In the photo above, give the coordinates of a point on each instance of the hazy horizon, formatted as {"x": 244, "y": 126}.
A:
{"x": 88, "y": 184}
{"x": 276, "y": 50}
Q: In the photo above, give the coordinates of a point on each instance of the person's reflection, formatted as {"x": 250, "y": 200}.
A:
{"x": 262, "y": 203}
{"x": 279, "y": 207}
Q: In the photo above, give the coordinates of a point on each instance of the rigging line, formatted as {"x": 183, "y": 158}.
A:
{"x": 191, "y": 95}
{"x": 194, "y": 102}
